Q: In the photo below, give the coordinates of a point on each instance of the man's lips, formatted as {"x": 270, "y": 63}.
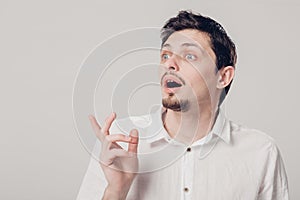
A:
{"x": 171, "y": 83}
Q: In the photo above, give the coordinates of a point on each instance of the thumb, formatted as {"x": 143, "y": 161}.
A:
{"x": 133, "y": 144}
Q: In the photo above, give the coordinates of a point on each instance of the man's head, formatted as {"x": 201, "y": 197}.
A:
{"x": 197, "y": 53}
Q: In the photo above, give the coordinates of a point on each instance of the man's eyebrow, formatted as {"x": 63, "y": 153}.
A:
{"x": 186, "y": 44}
{"x": 166, "y": 45}
{"x": 192, "y": 45}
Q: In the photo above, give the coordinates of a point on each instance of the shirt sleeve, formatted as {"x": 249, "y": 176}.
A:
{"x": 94, "y": 182}
{"x": 274, "y": 184}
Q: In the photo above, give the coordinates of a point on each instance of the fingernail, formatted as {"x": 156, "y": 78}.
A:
{"x": 134, "y": 133}
{"x": 128, "y": 137}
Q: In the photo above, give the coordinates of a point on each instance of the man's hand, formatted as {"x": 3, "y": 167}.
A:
{"x": 119, "y": 165}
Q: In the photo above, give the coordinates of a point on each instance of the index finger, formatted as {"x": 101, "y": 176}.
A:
{"x": 96, "y": 127}
{"x": 109, "y": 120}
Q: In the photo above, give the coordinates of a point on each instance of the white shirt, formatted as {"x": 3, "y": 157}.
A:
{"x": 231, "y": 163}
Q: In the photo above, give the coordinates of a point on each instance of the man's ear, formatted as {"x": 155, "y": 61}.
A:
{"x": 225, "y": 76}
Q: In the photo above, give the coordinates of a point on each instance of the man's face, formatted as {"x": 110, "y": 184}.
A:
{"x": 188, "y": 70}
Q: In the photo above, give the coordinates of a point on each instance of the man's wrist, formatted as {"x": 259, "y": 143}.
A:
{"x": 111, "y": 194}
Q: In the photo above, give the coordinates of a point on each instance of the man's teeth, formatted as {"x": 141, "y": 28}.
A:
{"x": 172, "y": 84}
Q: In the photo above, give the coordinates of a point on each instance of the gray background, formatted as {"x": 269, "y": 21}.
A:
{"x": 43, "y": 43}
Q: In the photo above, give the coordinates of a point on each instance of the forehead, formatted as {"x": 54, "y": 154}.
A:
{"x": 192, "y": 37}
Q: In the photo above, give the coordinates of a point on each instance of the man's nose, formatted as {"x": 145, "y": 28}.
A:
{"x": 172, "y": 63}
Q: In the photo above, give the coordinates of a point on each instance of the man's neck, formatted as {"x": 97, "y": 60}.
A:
{"x": 190, "y": 126}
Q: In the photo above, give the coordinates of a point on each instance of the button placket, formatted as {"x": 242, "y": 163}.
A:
{"x": 188, "y": 171}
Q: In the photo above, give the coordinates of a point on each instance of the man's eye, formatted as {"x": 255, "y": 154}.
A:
{"x": 165, "y": 56}
{"x": 190, "y": 57}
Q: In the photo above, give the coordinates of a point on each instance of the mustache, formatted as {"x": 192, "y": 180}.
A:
{"x": 173, "y": 74}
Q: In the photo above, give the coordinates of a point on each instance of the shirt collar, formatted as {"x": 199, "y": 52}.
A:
{"x": 221, "y": 129}
{"x": 156, "y": 129}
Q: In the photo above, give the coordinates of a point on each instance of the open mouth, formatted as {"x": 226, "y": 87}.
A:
{"x": 172, "y": 84}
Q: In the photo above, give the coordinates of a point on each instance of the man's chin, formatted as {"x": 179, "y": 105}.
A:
{"x": 175, "y": 104}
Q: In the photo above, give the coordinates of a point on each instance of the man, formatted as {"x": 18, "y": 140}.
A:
{"x": 201, "y": 154}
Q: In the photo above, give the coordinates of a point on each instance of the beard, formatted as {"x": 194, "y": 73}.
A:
{"x": 171, "y": 102}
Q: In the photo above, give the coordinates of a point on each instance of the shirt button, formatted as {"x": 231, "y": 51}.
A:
{"x": 186, "y": 189}
{"x": 188, "y": 149}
